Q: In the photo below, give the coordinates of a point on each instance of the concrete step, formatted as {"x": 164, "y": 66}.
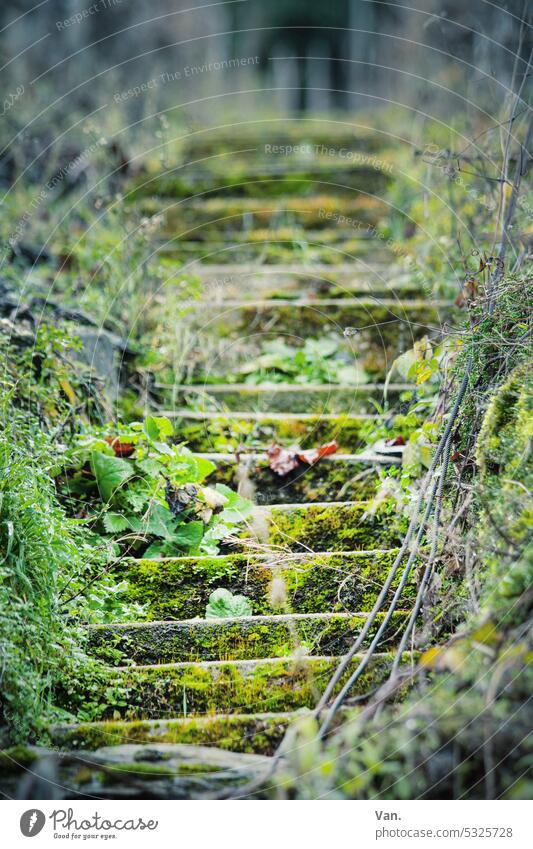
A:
{"x": 227, "y": 175}
{"x": 258, "y": 733}
{"x": 274, "y": 582}
{"x": 339, "y": 477}
{"x": 265, "y": 282}
{"x": 277, "y": 247}
{"x": 245, "y": 214}
{"x": 236, "y": 638}
{"x": 382, "y": 320}
{"x": 227, "y": 432}
{"x": 267, "y": 135}
{"x": 230, "y": 686}
{"x": 317, "y": 399}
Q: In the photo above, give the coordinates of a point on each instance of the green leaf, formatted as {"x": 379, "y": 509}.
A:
{"x": 114, "y": 523}
{"x": 223, "y": 605}
{"x": 110, "y": 473}
{"x": 150, "y": 428}
{"x": 237, "y": 508}
{"x": 188, "y": 535}
{"x": 157, "y": 427}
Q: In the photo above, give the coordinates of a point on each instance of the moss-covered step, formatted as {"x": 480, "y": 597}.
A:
{"x": 288, "y": 245}
{"x": 283, "y": 137}
{"x": 284, "y": 397}
{"x": 333, "y": 478}
{"x": 252, "y": 282}
{"x": 227, "y": 432}
{"x": 221, "y": 214}
{"x": 231, "y": 686}
{"x": 259, "y": 733}
{"x": 133, "y": 771}
{"x": 387, "y": 321}
{"x": 333, "y": 526}
{"x": 239, "y": 638}
{"x": 179, "y": 587}
{"x": 261, "y": 180}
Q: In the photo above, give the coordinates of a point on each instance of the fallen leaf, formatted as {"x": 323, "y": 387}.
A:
{"x": 121, "y": 449}
{"x": 284, "y": 460}
{"x": 397, "y": 440}
{"x": 314, "y": 454}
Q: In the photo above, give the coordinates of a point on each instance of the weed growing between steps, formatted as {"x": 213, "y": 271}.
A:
{"x": 147, "y": 496}
{"x": 45, "y": 588}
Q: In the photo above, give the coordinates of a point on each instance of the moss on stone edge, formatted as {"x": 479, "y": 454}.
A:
{"x": 246, "y": 687}
{"x": 332, "y": 527}
{"x": 179, "y": 588}
{"x": 253, "y": 734}
{"x": 247, "y": 639}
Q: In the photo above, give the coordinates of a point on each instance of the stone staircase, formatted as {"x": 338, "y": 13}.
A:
{"x": 272, "y": 266}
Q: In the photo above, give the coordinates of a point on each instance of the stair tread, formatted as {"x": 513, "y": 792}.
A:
{"x": 249, "y": 663}
{"x": 228, "y": 620}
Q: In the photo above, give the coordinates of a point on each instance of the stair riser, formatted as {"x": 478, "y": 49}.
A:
{"x": 378, "y": 322}
{"x": 326, "y": 480}
{"x": 180, "y": 588}
{"x": 220, "y": 434}
{"x": 250, "y": 734}
{"x": 280, "y": 252}
{"x": 259, "y": 140}
{"x": 174, "y": 642}
{"x": 187, "y": 182}
{"x": 234, "y": 216}
{"x": 264, "y": 686}
{"x": 352, "y": 400}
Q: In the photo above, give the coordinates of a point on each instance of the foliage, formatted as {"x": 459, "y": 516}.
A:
{"x": 223, "y": 604}
{"x": 317, "y": 361}
{"x": 49, "y": 573}
{"x": 134, "y": 482}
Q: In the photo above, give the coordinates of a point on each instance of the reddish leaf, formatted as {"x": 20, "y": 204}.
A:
{"x": 284, "y": 460}
{"x": 397, "y": 440}
{"x": 314, "y": 454}
{"x": 121, "y": 449}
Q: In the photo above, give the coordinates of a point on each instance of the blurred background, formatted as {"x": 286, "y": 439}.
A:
{"x": 288, "y": 55}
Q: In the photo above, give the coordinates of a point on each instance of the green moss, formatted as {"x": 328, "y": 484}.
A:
{"x": 171, "y": 642}
{"x": 220, "y": 434}
{"x": 248, "y": 734}
{"x": 244, "y": 687}
{"x": 329, "y": 480}
{"x": 15, "y": 759}
{"x": 179, "y": 588}
{"x": 344, "y": 176}
{"x": 332, "y": 527}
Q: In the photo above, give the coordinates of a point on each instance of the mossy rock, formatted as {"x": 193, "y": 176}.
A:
{"x": 252, "y": 686}
{"x": 244, "y": 638}
{"x": 255, "y": 733}
{"x": 179, "y": 588}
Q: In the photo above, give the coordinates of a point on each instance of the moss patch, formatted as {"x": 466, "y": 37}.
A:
{"x": 247, "y": 734}
{"x": 276, "y": 636}
{"x": 244, "y": 687}
{"x": 179, "y": 588}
